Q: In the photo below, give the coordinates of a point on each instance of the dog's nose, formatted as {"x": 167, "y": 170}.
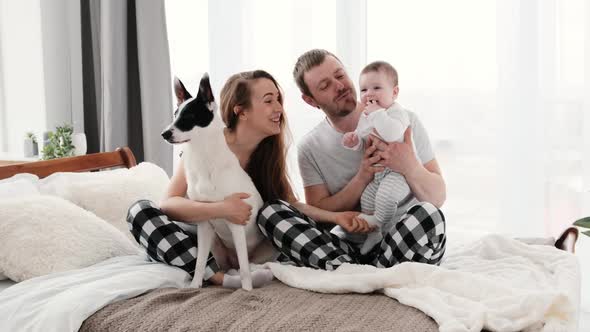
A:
{"x": 167, "y": 134}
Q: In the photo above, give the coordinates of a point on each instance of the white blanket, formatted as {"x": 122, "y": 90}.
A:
{"x": 496, "y": 283}
{"x": 62, "y": 301}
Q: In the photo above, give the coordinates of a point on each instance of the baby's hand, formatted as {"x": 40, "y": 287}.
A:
{"x": 372, "y": 105}
{"x": 350, "y": 139}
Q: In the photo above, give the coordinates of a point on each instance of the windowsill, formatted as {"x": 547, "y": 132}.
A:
{"x": 12, "y": 158}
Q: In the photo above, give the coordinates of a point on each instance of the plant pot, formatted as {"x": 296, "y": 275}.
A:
{"x": 79, "y": 143}
{"x": 28, "y": 149}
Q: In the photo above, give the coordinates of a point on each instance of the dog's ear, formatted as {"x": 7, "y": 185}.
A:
{"x": 180, "y": 91}
{"x": 205, "y": 91}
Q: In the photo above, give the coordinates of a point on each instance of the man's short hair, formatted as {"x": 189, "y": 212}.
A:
{"x": 305, "y": 63}
{"x": 384, "y": 67}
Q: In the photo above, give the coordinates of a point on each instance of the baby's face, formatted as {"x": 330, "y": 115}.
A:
{"x": 377, "y": 87}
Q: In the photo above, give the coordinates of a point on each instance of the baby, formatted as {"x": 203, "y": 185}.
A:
{"x": 387, "y": 120}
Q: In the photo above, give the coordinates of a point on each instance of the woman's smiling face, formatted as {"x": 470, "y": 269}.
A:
{"x": 266, "y": 108}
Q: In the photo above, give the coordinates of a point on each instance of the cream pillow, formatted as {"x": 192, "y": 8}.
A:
{"x": 17, "y": 186}
{"x": 109, "y": 194}
{"x": 44, "y": 234}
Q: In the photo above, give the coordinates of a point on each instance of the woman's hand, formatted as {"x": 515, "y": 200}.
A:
{"x": 351, "y": 223}
{"x": 235, "y": 210}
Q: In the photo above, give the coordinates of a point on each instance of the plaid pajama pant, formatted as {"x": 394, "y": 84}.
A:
{"x": 418, "y": 237}
{"x": 164, "y": 240}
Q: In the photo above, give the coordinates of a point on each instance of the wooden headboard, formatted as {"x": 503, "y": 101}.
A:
{"x": 122, "y": 157}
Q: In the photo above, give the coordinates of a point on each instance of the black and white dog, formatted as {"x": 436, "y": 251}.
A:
{"x": 212, "y": 173}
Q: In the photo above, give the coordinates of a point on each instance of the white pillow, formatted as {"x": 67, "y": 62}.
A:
{"x": 109, "y": 194}
{"x": 17, "y": 186}
{"x": 58, "y": 183}
{"x": 24, "y": 184}
{"x": 44, "y": 234}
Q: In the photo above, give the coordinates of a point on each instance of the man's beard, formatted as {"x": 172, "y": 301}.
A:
{"x": 346, "y": 109}
{"x": 343, "y": 112}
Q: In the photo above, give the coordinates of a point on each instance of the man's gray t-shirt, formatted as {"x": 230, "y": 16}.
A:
{"x": 323, "y": 159}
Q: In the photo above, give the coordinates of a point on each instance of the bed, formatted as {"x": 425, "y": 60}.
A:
{"x": 276, "y": 307}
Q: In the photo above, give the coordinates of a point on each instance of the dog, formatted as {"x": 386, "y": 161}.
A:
{"x": 212, "y": 173}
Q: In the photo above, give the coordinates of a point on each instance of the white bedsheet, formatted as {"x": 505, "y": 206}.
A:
{"x": 5, "y": 284}
{"x": 62, "y": 301}
{"x": 496, "y": 283}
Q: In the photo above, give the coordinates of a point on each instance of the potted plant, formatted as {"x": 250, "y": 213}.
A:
{"x": 59, "y": 143}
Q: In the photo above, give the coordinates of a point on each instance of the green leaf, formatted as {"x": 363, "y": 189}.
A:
{"x": 587, "y": 233}
{"x": 60, "y": 143}
{"x": 584, "y": 222}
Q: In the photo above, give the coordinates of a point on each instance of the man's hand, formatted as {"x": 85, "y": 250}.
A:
{"x": 399, "y": 157}
{"x": 350, "y": 139}
{"x": 370, "y": 158}
{"x": 351, "y": 223}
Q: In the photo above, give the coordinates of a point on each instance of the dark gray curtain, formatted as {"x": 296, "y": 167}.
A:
{"x": 126, "y": 70}
{"x": 92, "y": 116}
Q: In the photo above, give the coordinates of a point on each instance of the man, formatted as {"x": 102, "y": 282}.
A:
{"x": 336, "y": 184}
{"x": 335, "y": 178}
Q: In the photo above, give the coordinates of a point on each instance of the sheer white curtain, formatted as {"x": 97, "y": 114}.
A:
{"x": 503, "y": 88}
{"x": 188, "y": 39}
{"x": 225, "y": 37}
{"x": 500, "y": 85}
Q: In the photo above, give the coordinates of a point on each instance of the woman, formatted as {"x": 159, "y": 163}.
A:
{"x": 252, "y": 109}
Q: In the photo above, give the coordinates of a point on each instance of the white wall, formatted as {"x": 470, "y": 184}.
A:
{"x": 40, "y": 69}
{"x": 22, "y": 75}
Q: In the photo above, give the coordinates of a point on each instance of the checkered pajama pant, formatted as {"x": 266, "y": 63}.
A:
{"x": 164, "y": 240}
{"x": 418, "y": 237}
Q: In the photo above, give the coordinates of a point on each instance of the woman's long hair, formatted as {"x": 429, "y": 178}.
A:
{"x": 268, "y": 163}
